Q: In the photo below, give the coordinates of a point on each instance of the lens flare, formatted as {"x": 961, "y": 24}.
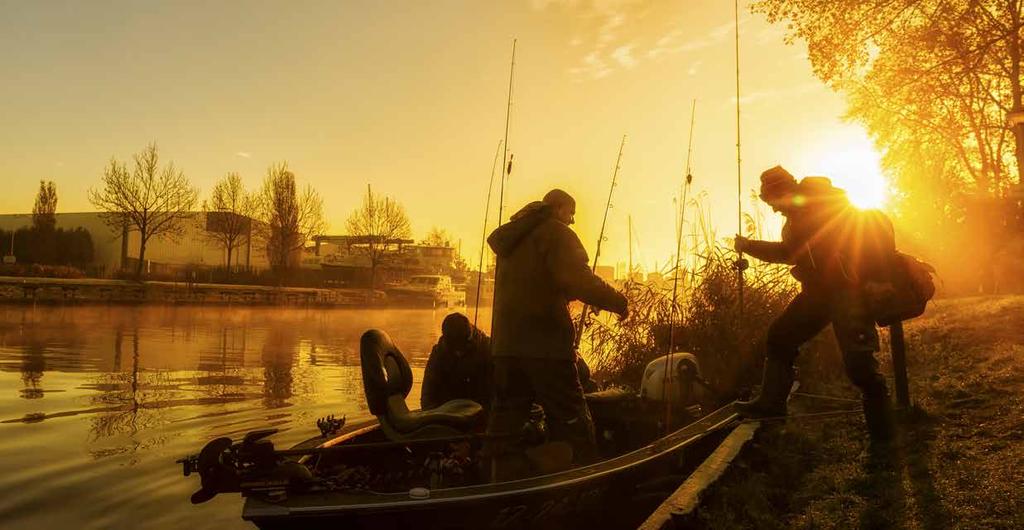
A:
{"x": 855, "y": 166}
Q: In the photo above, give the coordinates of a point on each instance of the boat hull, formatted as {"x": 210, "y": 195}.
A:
{"x": 618, "y": 492}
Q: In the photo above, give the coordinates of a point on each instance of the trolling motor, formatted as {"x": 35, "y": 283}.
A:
{"x": 225, "y": 466}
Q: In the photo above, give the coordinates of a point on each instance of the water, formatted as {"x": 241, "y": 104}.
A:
{"x": 96, "y": 403}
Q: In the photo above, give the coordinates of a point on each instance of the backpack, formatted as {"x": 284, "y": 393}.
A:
{"x": 897, "y": 285}
{"x": 909, "y": 289}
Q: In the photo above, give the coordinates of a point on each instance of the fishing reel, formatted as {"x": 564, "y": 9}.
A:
{"x": 225, "y": 466}
{"x": 740, "y": 264}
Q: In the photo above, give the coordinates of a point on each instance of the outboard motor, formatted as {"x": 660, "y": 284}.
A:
{"x": 685, "y": 384}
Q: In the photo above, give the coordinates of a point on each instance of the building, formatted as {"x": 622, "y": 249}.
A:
{"x": 196, "y": 246}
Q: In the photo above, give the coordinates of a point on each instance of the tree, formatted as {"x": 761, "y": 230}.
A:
{"x": 229, "y": 214}
{"x": 380, "y": 222}
{"x": 438, "y": 237}
{"x": 289, "y": 219}
{"x": 151, "y": 200}
{"x": 934, "y": 82}
{"x": 44, "y": 211}
{"x": 950, "y": 69}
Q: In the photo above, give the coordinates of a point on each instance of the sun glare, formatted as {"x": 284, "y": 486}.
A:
{"x": 854, "y": 166}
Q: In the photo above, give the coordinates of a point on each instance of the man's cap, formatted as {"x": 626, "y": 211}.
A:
{"x": 456, "y": 326}
{"x": 557, "y": 198}
{"x": 776, "y": 182}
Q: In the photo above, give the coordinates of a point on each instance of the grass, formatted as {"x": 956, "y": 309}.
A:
{"x": 959, "y": 462}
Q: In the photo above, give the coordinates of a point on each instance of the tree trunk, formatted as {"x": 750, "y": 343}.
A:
{"x": 230, "y": 248}
{"x": 1015, "y": 86}
{"x": 142, "y": 257}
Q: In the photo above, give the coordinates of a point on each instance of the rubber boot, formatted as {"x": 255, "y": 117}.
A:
{"x": 778, "y": 379}
{"x": 878, "y": 417}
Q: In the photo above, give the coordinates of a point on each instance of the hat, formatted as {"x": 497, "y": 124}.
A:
{"x": 456, "y": 327}
{"x": 776, "y": 182}
{"x": 557, "y": 198}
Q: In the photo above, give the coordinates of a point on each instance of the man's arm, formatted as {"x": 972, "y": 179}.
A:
{"x": 567, "y": 260}
{"x": 769, "y": 251}
{"x": 431, "y": 389}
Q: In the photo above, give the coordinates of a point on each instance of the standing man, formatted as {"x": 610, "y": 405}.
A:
{"x": 824, "y": 239}
{"x": 541, "y": 267}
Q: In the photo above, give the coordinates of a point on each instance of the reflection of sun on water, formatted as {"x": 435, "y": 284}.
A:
{"x": 854, "y": 166}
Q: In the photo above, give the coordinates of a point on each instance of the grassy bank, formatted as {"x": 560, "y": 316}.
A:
{"x": 960, "y": 459}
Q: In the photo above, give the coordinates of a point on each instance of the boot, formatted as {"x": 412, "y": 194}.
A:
{"x": 778, "y": 378}
{"x": 878, "y": 417}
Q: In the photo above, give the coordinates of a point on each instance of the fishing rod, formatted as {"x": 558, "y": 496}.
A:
{"x": 483, "y": 237}
{"x": 667, "y": 376}
{"x": 741, "y": 263}
{"x": 506, "y": 161}
{"x": 582, "y": 326}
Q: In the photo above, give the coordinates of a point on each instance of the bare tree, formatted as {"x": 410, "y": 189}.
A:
{"x": 229, "y": 215}
{"x": 379, "y": 221}
{"x": 151, "y": 200}
{"x": 438, "y": 237}
{"x": 289, "y": 219}
{"x": 44, "y": 211}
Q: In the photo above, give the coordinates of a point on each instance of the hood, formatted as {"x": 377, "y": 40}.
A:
{"x": 507, "y": 237}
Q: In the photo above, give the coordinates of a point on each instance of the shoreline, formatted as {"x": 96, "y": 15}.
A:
{"x": 34, "y": 290}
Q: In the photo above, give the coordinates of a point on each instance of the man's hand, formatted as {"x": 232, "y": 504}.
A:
{"x": 740, "y": 243}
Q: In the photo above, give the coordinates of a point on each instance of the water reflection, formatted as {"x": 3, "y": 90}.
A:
{"x": 116, "y": 394}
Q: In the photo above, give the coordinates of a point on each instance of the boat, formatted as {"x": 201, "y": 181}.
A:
{"x": 424, "y": 469}
{"x": 430, "y": 290}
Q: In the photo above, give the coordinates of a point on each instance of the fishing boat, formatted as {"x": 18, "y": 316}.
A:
{"x": 429, "y": 290}
{"x": 425, "y": 468}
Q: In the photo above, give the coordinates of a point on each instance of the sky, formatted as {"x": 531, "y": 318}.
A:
{"x": 409, "y": 97}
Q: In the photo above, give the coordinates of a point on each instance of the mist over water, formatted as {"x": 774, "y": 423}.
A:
{"x": 96, "y": 403}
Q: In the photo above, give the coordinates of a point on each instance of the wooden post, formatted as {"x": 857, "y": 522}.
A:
{"x": 898, "y": 346}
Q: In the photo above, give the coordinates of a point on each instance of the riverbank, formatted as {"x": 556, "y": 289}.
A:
{"x": 100, "y": 291}
{"x": 959, "y": 462}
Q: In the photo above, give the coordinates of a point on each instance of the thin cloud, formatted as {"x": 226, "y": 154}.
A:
{"x": 764, "y": 95}
{"x": 672, "y": 43}
{"x": 623, "y": 56}
{"x": 244, "y": 154}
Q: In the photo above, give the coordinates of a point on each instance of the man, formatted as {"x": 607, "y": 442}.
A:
{"x": 823, "y": 238}
{"x": 459, "y": 366}
{"x": 541, "y": 267}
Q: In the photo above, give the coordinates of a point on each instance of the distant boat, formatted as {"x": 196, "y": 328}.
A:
{"x": 431, "y": 290}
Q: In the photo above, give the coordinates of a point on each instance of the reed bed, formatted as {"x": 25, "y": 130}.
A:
{"x": 708, "y": 319}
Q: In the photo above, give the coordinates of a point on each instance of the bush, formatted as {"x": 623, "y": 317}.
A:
{"x": 35, "y": 270}
{"x": 46, "y": 246}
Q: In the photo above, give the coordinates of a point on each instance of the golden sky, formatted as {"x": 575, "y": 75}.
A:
{"x": 409, "y": 96}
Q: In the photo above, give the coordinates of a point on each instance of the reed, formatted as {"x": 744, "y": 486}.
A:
{"x": 728, "y": 343}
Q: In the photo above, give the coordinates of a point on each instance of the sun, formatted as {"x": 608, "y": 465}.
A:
{"x": 853, "y": 165}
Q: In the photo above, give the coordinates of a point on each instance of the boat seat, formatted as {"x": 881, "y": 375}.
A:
{"x": 614, "y": 394}
{"x": 387, "y": 380}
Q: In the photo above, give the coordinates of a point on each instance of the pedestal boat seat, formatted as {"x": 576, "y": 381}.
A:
{"x": 387, "y": 380}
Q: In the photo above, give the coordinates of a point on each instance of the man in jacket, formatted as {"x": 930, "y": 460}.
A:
{"x": 459, "y": 366}
{"x": 823, "y": 240}
{"x": 541, "y": 267}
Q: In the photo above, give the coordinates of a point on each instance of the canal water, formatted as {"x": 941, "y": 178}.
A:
{"x": 96, "y": 403}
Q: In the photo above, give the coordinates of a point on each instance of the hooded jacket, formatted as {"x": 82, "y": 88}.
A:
{"x": 462, "y": 372}
{"x": 541, "y": 267}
